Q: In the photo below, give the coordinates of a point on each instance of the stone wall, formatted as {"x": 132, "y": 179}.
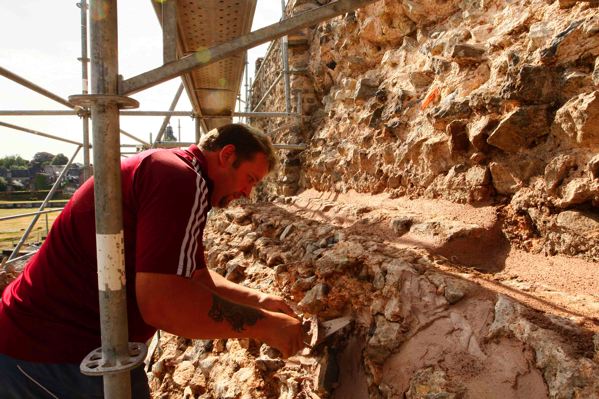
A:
{"x": 481, "y": 102}
{"x": 421, "y": 328}
{"x": 490, "y": 106}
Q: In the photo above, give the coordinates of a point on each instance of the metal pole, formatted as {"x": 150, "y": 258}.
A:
{"x": 30, "y": 112}
{"x": 285, "y": 60}
{"x": 272, "y": 86}
{"x": 42, "y": 206}
{"x": 188, "y": 113}
{"x": 224, "y": 50}
{"x": 84, "y": 88}
{"x": 169, "y": 31}
{"x": 108, "y": 197}
{"x": 124, "y": 133}
{"x": 295, "y": 147}
{"x": 22, "y": 215}
{"x": 30, "y": 85}
{"x": 167, "y": 118}
{"x": 300, "y": 104}
{"x": 6, "y": 262}
{"x": 198, "y": 125}
{"x": 23, "y": 129}
{"x": 247, "y": 70}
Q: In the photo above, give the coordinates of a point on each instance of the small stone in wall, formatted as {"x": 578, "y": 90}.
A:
{"x": 478, "y": 176}
{"x": 532, "y": 84}
{"x": 421, "y": 79}
{"x": 557, "y": 169}
{"x": 431, "y": 382}
{"x": 521, "y": 128}
{"x": 539, "y": 34}
{"x": 365, "y": 89}
{"x": 286, "y": 232}
{"x": 440, "y": 65}
{"x": 503, "y": 179}
{"x": 578, "y": 40}
{"x": 268, "y": 364}
{"x": 596, "y": 72}
{"x": 478, "y": 132}
{"x": 454, "y": 291}
{"x": 466, "y": 54}
{"x": 235, "y": 271}
{"x": 577, "y": 191}
{"x": 303, "y": 284}
{"x": 386, "y": 338}
{"x": 574, "y": 83}
{"x": 578, "y": 120}
{"x": 183, "y": 373}
{"x": 449, "y": 110}
{"x": 593, "y": 167}
{"x": 567, "y": 3}
{"x": 315, "y": 299}
{"x": 401, "y": 225}
{"x": 585, "y": 224}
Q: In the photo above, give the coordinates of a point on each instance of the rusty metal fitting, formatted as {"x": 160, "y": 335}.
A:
{"x": 88, "y": 100}
{"x": 93, "y": 364}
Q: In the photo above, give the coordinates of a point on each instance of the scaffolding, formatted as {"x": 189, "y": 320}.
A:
{"x": 105, "y": 104}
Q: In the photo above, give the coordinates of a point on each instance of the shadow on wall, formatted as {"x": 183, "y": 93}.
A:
{"x": 486, "y": 250}
{"x": 414, "y": 325}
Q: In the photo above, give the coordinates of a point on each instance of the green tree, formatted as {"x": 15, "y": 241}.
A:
{"x": 41, "y": 182}
{"x": 59, "y": 159}
{"x": 3, "y": 184}
{"x": 42, "y": 158}
{"x": 13, "y": 162}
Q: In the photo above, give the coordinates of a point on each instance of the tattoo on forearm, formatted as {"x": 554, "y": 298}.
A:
{"x": 238, "y": 316}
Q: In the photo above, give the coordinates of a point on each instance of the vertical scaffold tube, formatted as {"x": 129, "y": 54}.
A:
{"x": 84, "y": 88}
{"x": 108, "y": 195}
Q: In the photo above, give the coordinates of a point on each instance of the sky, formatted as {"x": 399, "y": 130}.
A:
{"x": 41, "y": 42}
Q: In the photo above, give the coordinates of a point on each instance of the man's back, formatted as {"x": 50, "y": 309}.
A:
{"x": 50, "y": 312}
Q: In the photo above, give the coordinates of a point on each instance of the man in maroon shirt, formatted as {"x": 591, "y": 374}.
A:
{"x": 49, "y": 316}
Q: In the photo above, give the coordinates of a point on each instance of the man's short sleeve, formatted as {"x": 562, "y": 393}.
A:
{"x": 171, "y": 197}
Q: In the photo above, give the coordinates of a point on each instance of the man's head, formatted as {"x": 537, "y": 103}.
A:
{"x": 238, "y": 156}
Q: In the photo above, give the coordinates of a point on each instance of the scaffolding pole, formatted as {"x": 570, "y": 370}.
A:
{"x": 84, "y": 88}
{"x": 285, "y": 61}
{"x": 108, "y": 196}
{"x": 38, "y": 89}
{"x": 169, "y": 30}
{"x": 38, "y": 133}
{"x": 49, "y": 196}
{"x": 167, "y": 118}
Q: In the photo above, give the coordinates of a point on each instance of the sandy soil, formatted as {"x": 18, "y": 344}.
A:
{"x": 559, "y": 285}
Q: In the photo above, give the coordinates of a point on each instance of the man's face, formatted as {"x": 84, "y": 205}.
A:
{"x": 236, "y": 182}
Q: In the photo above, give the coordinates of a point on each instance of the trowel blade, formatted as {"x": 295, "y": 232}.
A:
{"x": 328, "y": 328}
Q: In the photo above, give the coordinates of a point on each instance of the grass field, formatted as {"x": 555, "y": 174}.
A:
{"x": 12, "y": 230}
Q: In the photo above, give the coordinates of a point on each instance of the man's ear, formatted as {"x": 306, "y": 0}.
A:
{"x": 227, "y": 155}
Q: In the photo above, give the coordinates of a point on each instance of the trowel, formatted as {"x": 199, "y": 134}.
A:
{"x": 319, "y": 331}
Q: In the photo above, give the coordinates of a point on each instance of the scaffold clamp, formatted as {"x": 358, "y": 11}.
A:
{"x": 94, "y": 364}
{"x": 88, "y": 100}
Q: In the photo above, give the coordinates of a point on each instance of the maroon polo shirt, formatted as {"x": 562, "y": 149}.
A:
{"x": 50, "y": 313}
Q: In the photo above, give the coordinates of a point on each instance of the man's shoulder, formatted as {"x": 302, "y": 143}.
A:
{"x": 163, "y": 160}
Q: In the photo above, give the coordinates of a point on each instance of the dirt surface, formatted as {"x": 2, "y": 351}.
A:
{"x": 562, "y": 286}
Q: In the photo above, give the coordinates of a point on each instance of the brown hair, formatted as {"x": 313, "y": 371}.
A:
{"x": 247, "y": 140}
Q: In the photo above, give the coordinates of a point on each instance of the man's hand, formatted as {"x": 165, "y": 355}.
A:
{"x": 275, "y": 303}
{"x": 285, "y": 334}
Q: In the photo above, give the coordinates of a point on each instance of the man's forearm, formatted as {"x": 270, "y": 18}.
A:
{"x": 227, "y": 289}
{"x": 238, "y": 316}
